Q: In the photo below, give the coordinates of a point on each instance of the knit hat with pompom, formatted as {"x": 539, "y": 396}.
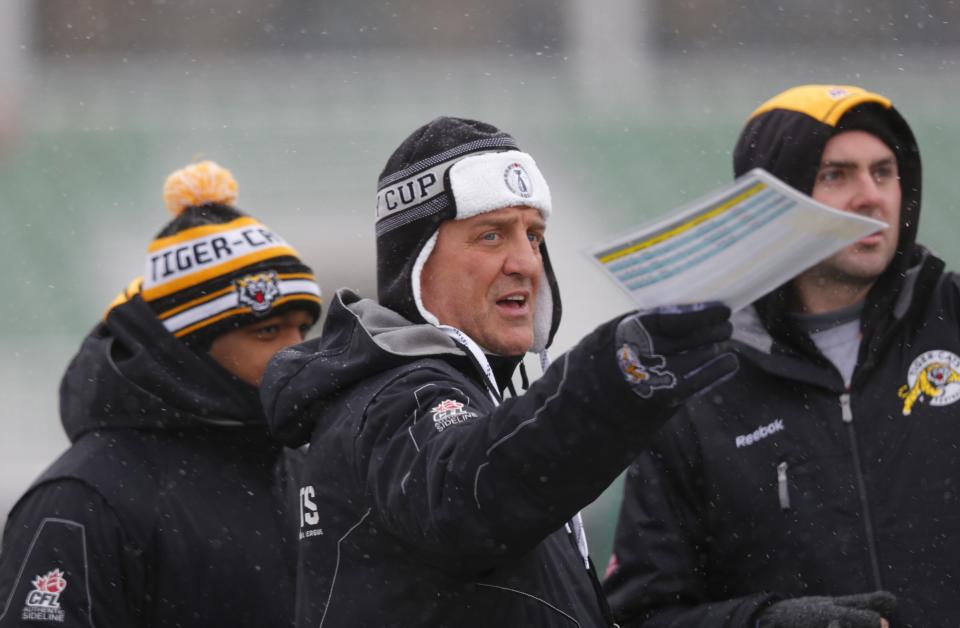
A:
{"x": 213, "y": 268}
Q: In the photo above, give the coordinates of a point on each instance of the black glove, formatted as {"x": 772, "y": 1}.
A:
{"x": 671, "y": 354}
{"x": 863, "y": 610}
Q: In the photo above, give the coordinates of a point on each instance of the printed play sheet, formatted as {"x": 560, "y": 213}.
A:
{"x": 734, "y": 245}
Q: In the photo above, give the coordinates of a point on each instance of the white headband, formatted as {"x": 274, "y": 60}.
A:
{"x": 491, "y": 181}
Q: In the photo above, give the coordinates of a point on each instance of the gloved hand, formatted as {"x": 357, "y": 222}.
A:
{"x": 864, "y": 610}
{"x": 671, "y": 354}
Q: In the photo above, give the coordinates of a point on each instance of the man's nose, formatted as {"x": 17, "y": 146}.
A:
{"x": 868, "y": 194}
{"x": 290, "y": 335}
{"x": 523, "y": 258}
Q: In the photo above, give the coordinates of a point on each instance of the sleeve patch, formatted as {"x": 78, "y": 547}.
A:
{"x": 440, "y": 409}
{"x": 449, "y": 412}
{"x": 51, "y": 586}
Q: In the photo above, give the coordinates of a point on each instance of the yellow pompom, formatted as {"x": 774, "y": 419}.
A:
{"x": 198, "y": 184}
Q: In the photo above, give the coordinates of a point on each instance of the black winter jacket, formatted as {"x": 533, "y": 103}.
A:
{"x": 167, "y": 509}
{"x": 783, "y": 483}
{"x": 426, "y": 504}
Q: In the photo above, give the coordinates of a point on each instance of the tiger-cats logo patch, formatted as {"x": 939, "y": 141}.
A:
{"x": 933, "y": 378}
{"x": 258, "y": 292}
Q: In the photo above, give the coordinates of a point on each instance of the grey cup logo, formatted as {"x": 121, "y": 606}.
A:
{"x": 258, "y": 292}
{"x": 518, "y": 181}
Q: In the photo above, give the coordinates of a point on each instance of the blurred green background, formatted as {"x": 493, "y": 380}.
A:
{"x": 630, "y": 108}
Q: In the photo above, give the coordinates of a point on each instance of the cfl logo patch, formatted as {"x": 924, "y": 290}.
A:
{"x": 309, "y": 514}
{"x": 43, "y": 602}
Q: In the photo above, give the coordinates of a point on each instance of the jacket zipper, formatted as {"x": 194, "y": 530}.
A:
{"x": 601, "y": 596}
{"x": 847, "y": 415}
{"x": 602, "y": 601}
{"x": 782, "y": 488}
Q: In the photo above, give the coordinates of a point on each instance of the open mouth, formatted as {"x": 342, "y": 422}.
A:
{"x": 514, "y": 303}
{"x": 873, "y": 238}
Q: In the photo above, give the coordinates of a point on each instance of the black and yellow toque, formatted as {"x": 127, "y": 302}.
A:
{"x": 786, "y": 136}
{"x": 213, "y": 268}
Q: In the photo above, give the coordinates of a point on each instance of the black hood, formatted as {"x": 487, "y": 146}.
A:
{"x": 131, "y": 373}
{"x": 360, "y": 340}
{"x": 416, "y": 193}
{"x": 786, "y": 136}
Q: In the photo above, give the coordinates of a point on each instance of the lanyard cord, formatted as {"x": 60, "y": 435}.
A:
{"x": 575, "y": 525}
{"x": 478, "y": 358}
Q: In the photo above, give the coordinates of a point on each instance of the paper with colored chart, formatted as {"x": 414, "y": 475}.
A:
{"x": 734, "y": 245}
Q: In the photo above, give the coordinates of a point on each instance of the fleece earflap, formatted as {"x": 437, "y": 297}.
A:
{"x": 453, "y": 169}
{"x": 485, "y": 183}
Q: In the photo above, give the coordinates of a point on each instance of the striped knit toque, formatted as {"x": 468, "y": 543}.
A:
{"x": 213, "y": 268}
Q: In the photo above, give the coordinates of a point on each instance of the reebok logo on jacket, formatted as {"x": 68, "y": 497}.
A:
{"x": 745, "y": 440}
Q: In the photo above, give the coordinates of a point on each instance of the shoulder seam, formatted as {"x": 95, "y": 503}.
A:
{"x": 26, "y": 558}
{"x": 64, "y": 479}
{"x": 423, "y": 365}
{"x": 121, "y": 520}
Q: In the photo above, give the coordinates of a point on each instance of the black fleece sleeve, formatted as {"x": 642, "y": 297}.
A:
{"x": 657, "y": 574}
{"x": 65, "y": 560}
{"x": 456, "y": 477}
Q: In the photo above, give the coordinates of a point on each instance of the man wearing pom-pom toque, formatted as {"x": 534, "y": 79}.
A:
{"x": 170, "y": 506}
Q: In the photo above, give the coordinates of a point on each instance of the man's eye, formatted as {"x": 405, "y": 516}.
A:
{"x": 830, "y": 175}
{"x": 267, "y": 330}
{"x": 884, "y": 173}
{"x": 490, "y": 236}
{"x": 535, "y": 238}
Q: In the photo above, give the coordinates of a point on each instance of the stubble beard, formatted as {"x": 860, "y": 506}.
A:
{"x": 844, "y": 275}
{"x": 508, "y": 344}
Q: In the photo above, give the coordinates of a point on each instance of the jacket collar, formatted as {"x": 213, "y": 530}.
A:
{"x": 765, "y": 335}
